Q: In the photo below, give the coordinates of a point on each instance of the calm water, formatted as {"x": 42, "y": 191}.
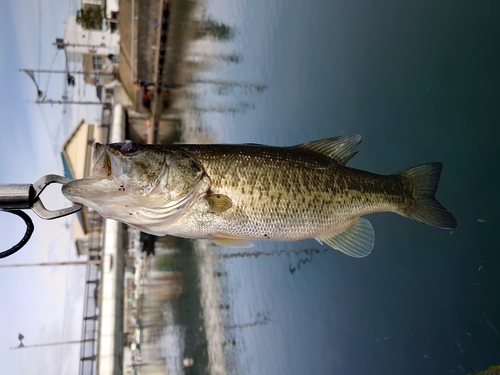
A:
{"x": 419, "y": 81}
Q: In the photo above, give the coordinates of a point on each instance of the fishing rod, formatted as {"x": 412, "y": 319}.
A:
{"x": 17, "y": 197}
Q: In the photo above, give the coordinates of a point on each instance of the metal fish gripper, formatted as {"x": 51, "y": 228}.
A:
{"x": 17, "y": 197}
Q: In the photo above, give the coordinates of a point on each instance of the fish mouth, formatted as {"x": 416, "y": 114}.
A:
{"x": 100, "y": 186}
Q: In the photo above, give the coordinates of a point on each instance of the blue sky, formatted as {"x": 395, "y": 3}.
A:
{"x": 43, "y": 303}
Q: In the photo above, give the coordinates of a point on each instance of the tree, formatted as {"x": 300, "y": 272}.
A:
{"x": 216, "y": 30}
{"x": 92, "y": 17}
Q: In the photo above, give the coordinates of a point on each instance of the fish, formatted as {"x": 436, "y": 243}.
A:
{"x": 233, "y": 194}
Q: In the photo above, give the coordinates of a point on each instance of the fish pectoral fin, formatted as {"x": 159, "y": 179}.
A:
{"x": 219, "y": 202}
{"x": 227, "y": 240}
{"x": 337, "y": 148}
{"x": 356, "y": 240}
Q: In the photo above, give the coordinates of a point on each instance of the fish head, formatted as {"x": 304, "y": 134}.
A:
{"x": 141, "y": 185}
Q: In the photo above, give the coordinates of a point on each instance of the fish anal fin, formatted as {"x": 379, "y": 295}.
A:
{"x": 219, "y": 202}
{"x": 231, "y": 241}
{"x": 356, "y": 240}
{"x": 338, "y": 148}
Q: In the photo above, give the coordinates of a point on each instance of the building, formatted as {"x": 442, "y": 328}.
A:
{"x": 97, "y": 50}
{"x": 77, "y": 154}
{"x": 102, "y": 241}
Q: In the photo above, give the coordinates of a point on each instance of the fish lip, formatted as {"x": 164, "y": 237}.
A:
{"x": 101, "y": 161}
{"x": 97, "y": 150}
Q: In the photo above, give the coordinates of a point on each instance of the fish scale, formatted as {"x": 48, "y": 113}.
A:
{"x": 318, "y": 197}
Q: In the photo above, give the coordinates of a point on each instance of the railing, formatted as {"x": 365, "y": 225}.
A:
{"x": 90, "y": 327}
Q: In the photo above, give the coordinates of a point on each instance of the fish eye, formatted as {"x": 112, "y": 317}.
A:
{"x": 129, "y": 148}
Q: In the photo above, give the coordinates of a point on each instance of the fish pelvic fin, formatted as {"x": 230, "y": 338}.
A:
{"x": 228, "y": 240}
{"x": 338, "y": 148}
{"x": 356, "y": 240}
{"x": 424, "y": 208}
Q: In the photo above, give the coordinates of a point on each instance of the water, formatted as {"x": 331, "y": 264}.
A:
{"x": 419, "y": 81}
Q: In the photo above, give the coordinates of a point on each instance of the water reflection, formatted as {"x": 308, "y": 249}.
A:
{"x": 294, "y": 264}
{"x": 419, "y": 304}
{"x": 181, "y": 317}
{"x": 185, "y": 321}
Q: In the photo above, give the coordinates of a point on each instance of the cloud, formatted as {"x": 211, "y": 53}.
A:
{"x": 23, "y": 35}
{"x": 42, "y": 304}
{"x": 41, "y": 23}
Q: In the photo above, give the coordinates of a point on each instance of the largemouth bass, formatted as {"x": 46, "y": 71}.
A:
{"x": 232, "y": 194}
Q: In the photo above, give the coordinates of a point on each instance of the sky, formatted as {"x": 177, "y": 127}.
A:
{"x": 45, "y": 304}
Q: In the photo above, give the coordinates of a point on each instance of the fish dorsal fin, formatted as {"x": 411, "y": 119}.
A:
{"x": 337, "y": 148}
{"x": 228, "y": 240}
{"x": 356, "y": 240}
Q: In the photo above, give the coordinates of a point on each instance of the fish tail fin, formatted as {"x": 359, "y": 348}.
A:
{"x": 424, "y": 180}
